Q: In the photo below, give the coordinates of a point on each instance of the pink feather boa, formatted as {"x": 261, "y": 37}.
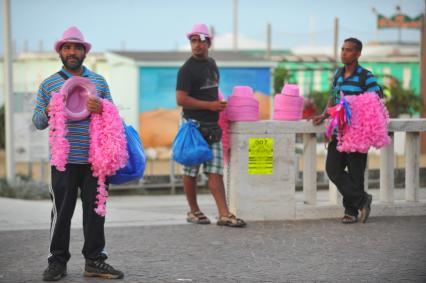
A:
{"x": 108, "y": 144}
{"x": 225, "y": 125}
{"x": 59, "y": 145}
{"x": 368, "y": 128}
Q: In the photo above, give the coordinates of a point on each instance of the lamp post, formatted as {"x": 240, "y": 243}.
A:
{"x": 398, "y": 13}
{"x": 8, "y": 93}
{"x": 376, "y": 33}
{"x": 235, "y": 24}
{"x": 423, "y": 70}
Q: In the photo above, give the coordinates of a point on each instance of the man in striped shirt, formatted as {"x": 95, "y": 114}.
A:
{"x": 351, "y": 79}
{"x": 72, "y": 50}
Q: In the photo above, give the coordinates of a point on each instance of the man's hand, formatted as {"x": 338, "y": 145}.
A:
{"x": 217, "y": 105}
{"x": 47, "y": 109}
{"x": 94, "y": 105}
{"x": 316, "y": 120}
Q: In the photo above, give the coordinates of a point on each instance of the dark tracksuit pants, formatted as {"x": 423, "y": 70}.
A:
{"x": 64, "y": 192}
{"x": 350, "y": 183}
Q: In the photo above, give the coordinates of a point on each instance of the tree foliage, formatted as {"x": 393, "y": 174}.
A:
{"x": 281, "y": 75}
{"x": 402, "y": 101}
{"x": 319, "y": 99}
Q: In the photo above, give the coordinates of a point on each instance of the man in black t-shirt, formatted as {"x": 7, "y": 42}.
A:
{"x": 197, "y": 93}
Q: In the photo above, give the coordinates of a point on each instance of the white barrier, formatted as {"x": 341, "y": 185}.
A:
{"x": 271, "y": 195}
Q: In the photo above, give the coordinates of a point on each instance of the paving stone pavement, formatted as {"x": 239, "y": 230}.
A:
{"x": 387, "y": 249}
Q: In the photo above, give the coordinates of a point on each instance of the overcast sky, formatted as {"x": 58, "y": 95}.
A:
{"x": 162, "y": 24}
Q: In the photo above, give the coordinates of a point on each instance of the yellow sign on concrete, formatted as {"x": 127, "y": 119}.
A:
{"x": 261, "y": 156}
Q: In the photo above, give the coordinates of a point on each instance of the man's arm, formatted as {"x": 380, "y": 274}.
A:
{"x": 371, "y": 84}
{"x": 40, "y": 118}
{"x": 184, "y": 100}
{"x": 316, "y": 120}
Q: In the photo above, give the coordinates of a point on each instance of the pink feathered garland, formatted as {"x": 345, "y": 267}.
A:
{"x": 108, "y": 148}
{"x": 368, "y": 124}
{"x": 225, "y": 125}
{"x": 57, "y": 131}
{"x": 108, "y": 145}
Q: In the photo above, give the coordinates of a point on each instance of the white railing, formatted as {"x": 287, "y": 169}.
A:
{"x": 273, "y": 196}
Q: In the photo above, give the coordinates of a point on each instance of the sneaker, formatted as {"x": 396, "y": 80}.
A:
{"x": 99, "y": 268}
{"x": 365, "y": 210}
{"x": 54, "y": 271}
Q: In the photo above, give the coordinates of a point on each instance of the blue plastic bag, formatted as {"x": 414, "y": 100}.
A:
{"x": 189, "y": 147}
{"x": 135, "y": 166}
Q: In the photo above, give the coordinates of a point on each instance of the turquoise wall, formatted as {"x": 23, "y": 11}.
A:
{"x": 157, "y": 87}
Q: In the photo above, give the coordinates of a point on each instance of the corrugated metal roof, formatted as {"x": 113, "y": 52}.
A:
{"x": 303, "y": 58}
{"x": 178, "y": 56}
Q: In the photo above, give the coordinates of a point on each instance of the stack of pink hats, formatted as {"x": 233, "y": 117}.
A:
{"x": 242, "y": 105}
{"x": 288, "y": 105}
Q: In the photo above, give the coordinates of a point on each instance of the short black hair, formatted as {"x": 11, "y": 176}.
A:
{"x": 356, "y": 42}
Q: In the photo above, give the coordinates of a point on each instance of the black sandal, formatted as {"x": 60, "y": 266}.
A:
{"x": 231, "y": 221}
{"x": 349, "y": 219}
{"x": 197, "y": 218}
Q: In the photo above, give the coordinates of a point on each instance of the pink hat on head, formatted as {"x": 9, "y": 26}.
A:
{"x": 198, "y": 29}
{"x": 77, "y": 91}
{"x": 74, "y": 35}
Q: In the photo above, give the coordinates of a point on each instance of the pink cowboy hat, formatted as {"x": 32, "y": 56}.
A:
{"x": 290, "y": 89}
{"x": 242, "y": 105}
{"x": 77, "y": 91}
{"x": 198, "y": 29}
{"x": 241, "y": 90}
{"x": 74, "y": 35}
{"x": 288, "y": 105}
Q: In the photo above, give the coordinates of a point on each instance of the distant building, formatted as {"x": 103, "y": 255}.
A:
{"x": 313, "y": 67}
{"x": 29, "y": 70}
{"x": 144, "y": 83}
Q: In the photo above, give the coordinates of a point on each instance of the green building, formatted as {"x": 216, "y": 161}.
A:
{"x": 386, "y": 61}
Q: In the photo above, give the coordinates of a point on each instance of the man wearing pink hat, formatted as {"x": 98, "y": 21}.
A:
{"x": 72, "y": 49}
{"x": 197, "y": 93}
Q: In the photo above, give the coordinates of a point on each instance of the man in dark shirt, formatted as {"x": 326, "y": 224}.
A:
{"x": 352, "y": 79}
{"x": 197, "y": 93}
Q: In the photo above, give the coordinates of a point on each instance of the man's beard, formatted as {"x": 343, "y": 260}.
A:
{"x": 72, "y": 66}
